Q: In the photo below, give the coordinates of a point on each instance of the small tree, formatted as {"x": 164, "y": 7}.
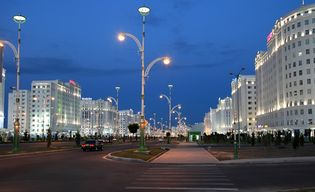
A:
{"x": 25, "y": 138}
{"x": 168, "y": 134}
{"x": 301, "y": 140}
{"x": 133, "y": 128}
{"x": 278, "y": 138}
{"x": 253, "y": 139}
{"x": 295, "y": 142}
{"x": 77, "y": 139}
{"x": 48, "y": 138}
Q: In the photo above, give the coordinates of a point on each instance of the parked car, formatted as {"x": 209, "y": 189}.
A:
{"x": 92, "y": 145}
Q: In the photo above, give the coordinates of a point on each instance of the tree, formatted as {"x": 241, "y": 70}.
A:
{"x": 78, "y": 139}
{"x": 133, "y": 128}
{"x": 301, "y": 140}
{"x": 49, "y": 138}
{"x": 253, "y": 139}
{"x": 278, "y": 138}
{"x": 25, "y": 138}
{"x": 168, "y": 134}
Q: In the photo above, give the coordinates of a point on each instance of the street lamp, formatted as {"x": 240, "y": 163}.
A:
{"x": 112, "y": 99}
{"x": 237, "y": 76}
{"x": 144, "y": 11}
{"x": 19, "y": 19}
{"x": 170, "y": 109}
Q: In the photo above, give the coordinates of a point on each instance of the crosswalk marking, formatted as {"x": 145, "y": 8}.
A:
{"x": 182, "y": 178}
{"x": 184, "y": 188}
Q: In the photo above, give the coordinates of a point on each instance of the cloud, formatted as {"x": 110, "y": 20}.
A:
{"x": 50, "y": 65}
{"x": 182, "y": 5}
{"x": 186, "y": 47}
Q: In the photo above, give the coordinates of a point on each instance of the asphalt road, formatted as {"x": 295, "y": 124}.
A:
{"x": 88, "y": 171}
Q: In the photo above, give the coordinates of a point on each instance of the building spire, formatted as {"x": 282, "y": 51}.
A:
{"x": 302, "y": 2}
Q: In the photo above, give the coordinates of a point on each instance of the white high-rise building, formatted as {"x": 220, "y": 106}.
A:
{"x": 221, "y": 117}
{"x": 2, "y": 87}
{"x": 126, "y": 117}
{"x": 2, "y": 98}
{"x": 285, "y": 73}
{"x": 97, "y": 116}
{"x": 24, "y": 110}
{"x": 55, "y": 105}
{"x": 207, "y": 123}
{"x": 244, "y": 102}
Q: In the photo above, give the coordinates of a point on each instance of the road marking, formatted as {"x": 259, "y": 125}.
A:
{"x": 182, "y": 188}
{"x": 182, "y": 179}
{"x": 186, "y": 183}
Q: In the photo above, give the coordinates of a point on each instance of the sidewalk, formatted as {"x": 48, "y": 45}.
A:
{"x": 186, "y": 153}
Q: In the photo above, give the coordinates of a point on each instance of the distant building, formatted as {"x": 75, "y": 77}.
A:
{"x": 244, "y": 99}
{"x": 2, "y": 98}
{"x": 285, "y": 73}
{"x": 207, "y": 123}
{"x": 2, "y": 88}
{"x": 126, "y": 117}
{"x": 55, "y": 105}
{"x": 98, "y": 116}
{"x": 24, "y": 112}
{"x": 221, "y": 118}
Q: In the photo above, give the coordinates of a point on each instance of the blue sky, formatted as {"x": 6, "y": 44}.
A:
{"x": 76, "y": 39}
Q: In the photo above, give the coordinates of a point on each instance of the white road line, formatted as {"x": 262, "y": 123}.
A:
{"x": 188, "y": 173}
{"x": 182, "y": 188}
{"x": 184, "y": 176}
{"x": 182, "y": 179}
{"x": 186, "y": 183}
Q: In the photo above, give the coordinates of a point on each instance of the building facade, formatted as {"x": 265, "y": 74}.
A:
{"x": 54, "y": 105}
{"x": 98, "y": 116}
{"x": 244, "y": 103}
{"x": 126, "y": 117}
{"x": 221, "y": 117}
{"x": 285, "y": 73}
{"x": 24, "y": 110}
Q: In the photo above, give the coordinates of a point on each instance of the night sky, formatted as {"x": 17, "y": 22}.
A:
{"x": 76, "y": 39}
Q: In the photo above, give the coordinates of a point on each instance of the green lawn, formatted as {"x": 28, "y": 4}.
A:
{"x": 135, "y": 154}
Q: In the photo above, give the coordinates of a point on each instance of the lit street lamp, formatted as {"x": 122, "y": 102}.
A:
{"x": 19, "y": 19}
{"x": 170, "y": 109}
{"x": 237, "y": 76}
{"x": 112, "y": 99}
{"x": 144, "y": 11}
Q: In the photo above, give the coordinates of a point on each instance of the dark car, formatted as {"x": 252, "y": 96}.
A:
{"x": 92, "y": 145}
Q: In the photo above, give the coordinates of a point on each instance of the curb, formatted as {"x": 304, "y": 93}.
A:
{"x": 271, "y": 160}
{"x": 109, "y": 156}
{"x": 158, "y": 155}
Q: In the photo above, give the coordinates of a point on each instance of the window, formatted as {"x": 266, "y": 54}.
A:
{"x": 306, "y": 22}
{"x": 310, "y": 111}
{"x": 302, "y": 111}
{"x": 300, "y": 72}
{"x": 293, "y": 26}
{"x": 308, "y": 81}
{"x": 298, "y": 24}
{"x": 308, "y": 61}
{"x": 307, "y": 32}
{"x": 308, "y": 71}
{"x": 300, "y": 62}
{"x": 299, "y": 43}
{"x": 309, "y": 91}
{"x": 307, "y": 51}
{"x": 313, "y": 20}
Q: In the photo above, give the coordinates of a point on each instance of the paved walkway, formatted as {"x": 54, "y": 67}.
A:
{"x": 186, "y": 153}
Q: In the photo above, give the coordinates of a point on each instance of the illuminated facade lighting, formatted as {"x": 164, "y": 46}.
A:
{"x": 284, "y": 76}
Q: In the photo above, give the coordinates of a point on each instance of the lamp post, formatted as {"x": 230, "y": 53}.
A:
{"x": 19, "y": 19}
{"x": 144, "y": 11}
{"x": 237, "y": 76}
{"x": 170, "y": 109}
{"x": 117, "y": 117}
{"x": 111, "y": 99}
